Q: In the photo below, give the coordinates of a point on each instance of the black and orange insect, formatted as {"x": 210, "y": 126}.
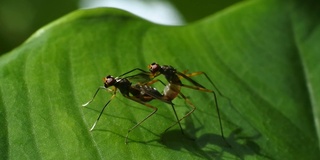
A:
{"x": 173, "y": 88}
{"x": 140, "y": 93}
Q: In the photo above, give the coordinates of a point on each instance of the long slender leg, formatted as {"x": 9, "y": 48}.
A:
{"x": 178, "y": 120}
{"x": 102, "y": 112}
{"x": 215, "y": 99}
{"x": 154, "y": 81}
{"x": 136, "y": 69}
{"x": 101, "y": 87}
{"x": 187, "y": 76}
{"x": 148, "y": 116}
{"x": 201, "y": 88}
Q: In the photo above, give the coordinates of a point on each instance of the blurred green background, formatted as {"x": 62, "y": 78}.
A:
{"x": 20, "y": 18}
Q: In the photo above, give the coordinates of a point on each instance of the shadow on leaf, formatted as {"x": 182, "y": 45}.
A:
{"x": 213, "y": 145}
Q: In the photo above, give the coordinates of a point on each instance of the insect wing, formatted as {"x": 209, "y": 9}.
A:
{"x": 140, "y": 78}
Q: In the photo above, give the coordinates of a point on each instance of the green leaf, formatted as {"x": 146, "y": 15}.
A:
{"x": 260, "y": 54}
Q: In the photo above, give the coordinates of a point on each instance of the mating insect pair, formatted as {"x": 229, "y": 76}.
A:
{"x": 143, "y": 92}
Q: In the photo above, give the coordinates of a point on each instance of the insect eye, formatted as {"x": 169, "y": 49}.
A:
{"x": 109, "y": 81}
{"x": 154, "y": 67}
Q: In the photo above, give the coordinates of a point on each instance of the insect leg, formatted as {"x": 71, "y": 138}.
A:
{"x": 101, "y": 87}
{"x": 154, "y": 81}
{"x": 187, "y": 76}
{"x": 102, "y": 111}
{"x": 215, "y": 99}
{"x": 178, "y": 120}
{"x": 136, "y": 69}
{"x": 148, "y": 116}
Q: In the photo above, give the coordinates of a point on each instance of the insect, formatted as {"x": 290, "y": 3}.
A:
{"x": 173, "y": 88}
{"x": 138, "y": 93}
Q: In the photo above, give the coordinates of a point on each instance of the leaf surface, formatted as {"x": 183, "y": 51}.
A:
{"x": 262, "y": 55}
